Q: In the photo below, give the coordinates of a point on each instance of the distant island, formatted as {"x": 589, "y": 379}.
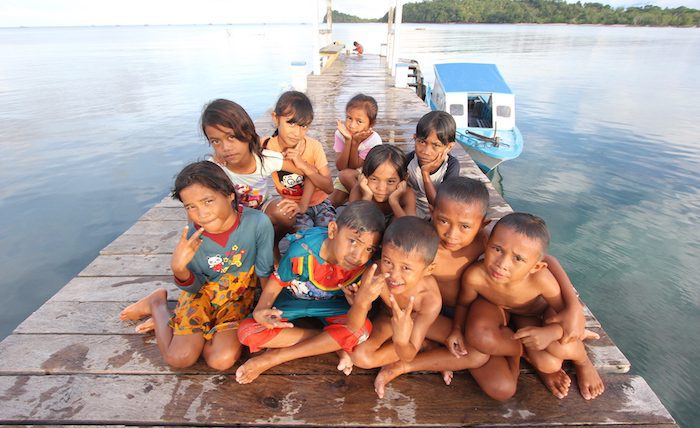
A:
{"x": 536, "y": 12}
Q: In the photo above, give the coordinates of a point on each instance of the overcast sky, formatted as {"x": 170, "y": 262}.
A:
{"x": 15, "y": 13}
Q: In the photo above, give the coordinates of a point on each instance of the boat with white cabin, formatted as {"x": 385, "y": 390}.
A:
{"x": 483, "y": 106}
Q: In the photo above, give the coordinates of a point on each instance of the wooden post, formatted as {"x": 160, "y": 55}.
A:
{"x": 390, "y": 38}
{"x": 315, "y": 46}
{"x": 397, "y": 36}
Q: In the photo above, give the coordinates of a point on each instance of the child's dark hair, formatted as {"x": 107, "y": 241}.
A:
{"x": 411, "y": 234}
{"x": 439, "y": 121}
{"x": 464, "y": 190}
{"x": 366, "y": 103}
{"x": 362, "y": 216}
{"x": 526, "y": 224}
{"x": 298, "y": 105}
{"x": 226, "y": 113}
{"x": 382, "y": 153}
{"x": 207, "y": 174}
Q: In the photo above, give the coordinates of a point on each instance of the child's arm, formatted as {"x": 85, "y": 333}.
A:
{"x": 320, "y": 177}
{"x": 342, "y": 157}
{"x": 361, "y": 191}
{"x": 184, "y": 251}
{"x": 425, "y": 171}
{"x": 266, "y": 314}
{"x": 361, "y": 298}
{"x": 467, "y": 295}
{"x": 309, "y": 189}
{"x": 403, "y": 200}
{"x": 408, "y": 334}
{"x": 354, "y": 159}
{"x": 571, "y": 317}
{"x": 539, "y": 337}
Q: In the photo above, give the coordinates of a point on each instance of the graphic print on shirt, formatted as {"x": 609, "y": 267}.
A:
{"x": 293, "y": 183}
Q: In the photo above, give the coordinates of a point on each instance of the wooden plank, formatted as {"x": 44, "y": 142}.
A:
{"x": 149, "y": 244}
{"x": 113, "y": 288}
{"x": 129, "y": 265}
{"x": 313, "y": 400}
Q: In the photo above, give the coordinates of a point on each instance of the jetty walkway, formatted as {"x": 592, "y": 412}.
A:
{"x": 73, "y": 362}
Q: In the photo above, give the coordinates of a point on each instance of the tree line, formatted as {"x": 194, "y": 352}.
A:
{"x": 536, "y": 12}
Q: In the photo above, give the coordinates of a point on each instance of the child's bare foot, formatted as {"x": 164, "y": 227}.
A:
{"x": 590, "y": 335}
{"x": 145, "y": 326}
{"x": 589, "y": 382}
{"x": 558, "y": 382}
{"x": 142, "y": 308}
{"x": 447, "y": 376}
{"x": 386, "y": 375}
{"x": 345, "y": 363}
{"x": 254, "y": 367}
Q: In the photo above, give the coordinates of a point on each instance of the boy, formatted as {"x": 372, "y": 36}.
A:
{"x": 430, "y": 163}
{"x": 411, "y": 298}
{"x": 312, "y": 280}
{"x": 459, "y": 218}
{"x": 512, "y": 282}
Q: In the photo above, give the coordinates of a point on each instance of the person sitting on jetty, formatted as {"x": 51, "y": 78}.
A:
{"x": 316, "y": 278}
{"x": 358, "y": 49}
{"x": 237, "y": 150}
{"x": 304, "y": 197}
{"x": 216, "y": 264}
{"x": 512, "y": 285}
{"x": 353, "y": 140}
{"x": 411, "y": 299}
{"x": 383, "y": 181}
{"x": 431, "y": 162}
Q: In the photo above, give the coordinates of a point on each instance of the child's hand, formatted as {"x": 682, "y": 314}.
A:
{"x": 185, "y": 250}
{"x": 401, "y": 321}
{"x": 288, "y": 208}
{"x": 371, "y": 285}
{"x": 270, "y": 318}
{"x": 361, "y": 136}
{"x": 367, "y": 193}
{"x": 573, "y": 321}
{"x": 344, "y": 131}
{"x": 455, "y": 343}
{"x": 538, "y": 338}
{"x": 432, "y": 166}
{"x": 400, "y": 190}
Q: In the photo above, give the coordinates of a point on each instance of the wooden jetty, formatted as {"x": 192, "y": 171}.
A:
{"x": 73, "y": 362}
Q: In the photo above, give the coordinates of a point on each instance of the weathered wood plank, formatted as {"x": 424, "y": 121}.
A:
{"x": 113, "y": 288}
{"x": 129, "y": 265}
{"x": 313, "y": 400}
{"x": 149, "y": 244}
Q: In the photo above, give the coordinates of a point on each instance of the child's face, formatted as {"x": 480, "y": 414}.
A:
{"x": 431, "y": 148}
{"x": 511, "y": 256}
{"x": 208, "y": 208}
{"x": 290, "y": 134}
{"x": 226, "y": 146}
{"x": 350, "y": 248}
{"x": 405, "y": 269}
{"x": 356, "y": 120}
{"x": 457, "y": 223}
{"x": 383, "y": 181}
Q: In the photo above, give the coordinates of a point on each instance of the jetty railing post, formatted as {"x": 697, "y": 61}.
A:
{"x": 315, "y": 45}
{"x": 390, "y": 37}
{"x": 397, "y": 36}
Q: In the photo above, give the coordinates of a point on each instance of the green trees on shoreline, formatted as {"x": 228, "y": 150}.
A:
{"x": 537, "y": 12}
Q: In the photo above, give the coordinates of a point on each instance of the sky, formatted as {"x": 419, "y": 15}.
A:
{"x": 15, "y": 13}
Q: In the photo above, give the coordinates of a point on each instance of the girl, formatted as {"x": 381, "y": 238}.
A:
{"x": 353, "y": 140}
{"x": 216, "y": 264}
{"x": 304, "y": 195}
{"x": 231, "y": 134}
{"x": 383, "y": 181}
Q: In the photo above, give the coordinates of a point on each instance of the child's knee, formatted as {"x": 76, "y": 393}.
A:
{"x": 223, "y": 359}
{"x": 501, "y": 390}
{"x": 544, "y": 362}
{"x": 181, "y": 358}
{"x": 482, "y": 337}
{"x": 362, "y": 357}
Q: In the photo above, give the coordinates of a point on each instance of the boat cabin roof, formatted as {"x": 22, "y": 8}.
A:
{"x": 471, "y": 77}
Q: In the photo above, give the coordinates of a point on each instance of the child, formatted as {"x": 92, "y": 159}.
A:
{"x": 430, "y": 163}
{"x": 353, "y": 140}
{"x": 459, "y": 218}
{"x": 358, "y": 48}
{"x": 216, "y": 264}
{"x": 306, "y": 194}
{"x": 231, "y": 134}
{"x": 512, "y": 282}
{"x": 313, "y": 280}
{"x": 383, "y": 182}
{"x": 411, "y": 298}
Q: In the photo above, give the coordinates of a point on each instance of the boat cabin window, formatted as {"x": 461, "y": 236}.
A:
{"x": 457, "y": 109}
{"x": 480, "y": 111}
{"x": 503, "y": 111}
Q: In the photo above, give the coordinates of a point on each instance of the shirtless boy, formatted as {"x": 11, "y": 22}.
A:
{"x": 512, "y": 283}
{"x": 411, "y": 298}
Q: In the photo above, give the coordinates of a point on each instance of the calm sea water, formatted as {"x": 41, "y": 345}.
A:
{"x": 94, "y": 123}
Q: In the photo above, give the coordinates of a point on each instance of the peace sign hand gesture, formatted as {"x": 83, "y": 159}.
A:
{"x": 401, "y": 321}
{"x": 185, "y": 251}
{"x": 371, "y": 285}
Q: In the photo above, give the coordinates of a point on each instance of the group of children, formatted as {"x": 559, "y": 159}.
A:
{"x": 393, "y": 258}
